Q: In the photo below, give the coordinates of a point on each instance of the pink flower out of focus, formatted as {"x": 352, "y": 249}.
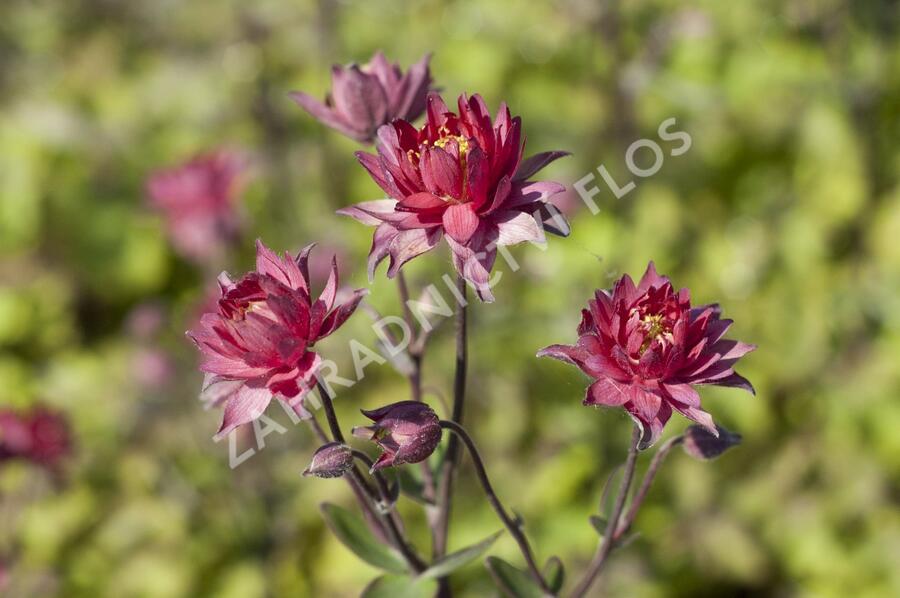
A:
{"x": 40, "y": 436}
{"x": 258, "y": 343}
{"x": 364, "y": 98}
{"x": 646, "y": 348}
{"x": 197, "y": 200}
{"x": 462, "y": 176}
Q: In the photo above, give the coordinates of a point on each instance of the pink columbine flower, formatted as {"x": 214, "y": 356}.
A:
{"x": 198, "y": 200}
{"x": 647, "y": 348}
{"x": 407, "y": 432}
{"x": 40, "y": 436}
{"x": 258, "y": 343}
{"x": 462, "y": 175}
{"x": 365, "y": 97}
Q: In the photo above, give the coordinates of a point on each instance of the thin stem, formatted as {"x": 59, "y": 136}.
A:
{"x": 652, "y": 470}
{"x": 511, "y": 524}
{"x": 383, "y": 489}
{"x": 610, "y": 538}
{"x": 330, "y": 415}
{"x": 445, "y": 488}
{"x": 416, "y": 354}
{"x": 361, "y": 492}
{"x": 391, "y": 520}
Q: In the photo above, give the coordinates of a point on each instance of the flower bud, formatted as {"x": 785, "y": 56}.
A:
{"x": 407, "y": 432}
{"x": 700, "y": 444}
{"x": 331, "y": 460}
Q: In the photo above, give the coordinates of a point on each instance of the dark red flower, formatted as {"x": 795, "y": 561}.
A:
{"x": 258, "y": 344}
{"x": 407, "y": 432}
{"x": 365, "y": 97}
{"x": 647, "y": 348}
{"x": 462, "y": 175}
{"x": 40, "y": 436}
{"x": 197, "y": 200}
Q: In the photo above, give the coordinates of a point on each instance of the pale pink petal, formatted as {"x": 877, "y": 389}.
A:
{"x": 244, "y": 406}
{"x": 517, "y": 227}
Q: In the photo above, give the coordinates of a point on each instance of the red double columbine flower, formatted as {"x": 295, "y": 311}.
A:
{"x": 647, "y": 348}
{"x": 198, "y": 200}
{"x": 258, "y": 343}
{"x": 365, "y": 97}
{"x": 460, "y": 175}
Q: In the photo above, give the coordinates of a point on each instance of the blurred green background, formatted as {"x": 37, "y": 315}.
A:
{"x": 786, "y": 209}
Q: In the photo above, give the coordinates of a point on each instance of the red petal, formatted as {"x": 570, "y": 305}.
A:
{"x": 460, "y": 222}
{"x": 422, "y": 201}
{"x": 607, "y": 393}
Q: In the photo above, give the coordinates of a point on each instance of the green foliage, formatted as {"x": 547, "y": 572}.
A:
{"x": 512, "y": 581}
{"x": 395, "y": 586}
{"x": 453, "y": 561}
{"x": 352, "y": 531}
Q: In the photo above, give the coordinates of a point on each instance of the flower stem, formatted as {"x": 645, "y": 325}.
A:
{"x": 383, "y": 489}
{"x": 445, "y": 487}
{"x": 390, "y": 519}
{"x": 370, "y": 513}
{"x": 416, "y": 354}
{"x": 652, "y": 470}
{"x": 511, "y": 524}
{"x": 330, "y": 415}
{"x": 609, "y": 538}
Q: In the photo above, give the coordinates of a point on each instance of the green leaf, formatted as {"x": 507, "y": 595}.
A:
{"x": 599, "y": 524}
{"x": 399, "y": 586}
{"x": 353, "y": 533}
{"x": 554, "y": 573}
{"x": 454, "y": 561}
{"x": 513, "y": 582}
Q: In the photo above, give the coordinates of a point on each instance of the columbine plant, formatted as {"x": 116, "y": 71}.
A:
{"x": 461, "y": 177}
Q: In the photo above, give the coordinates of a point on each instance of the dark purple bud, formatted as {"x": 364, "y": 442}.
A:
{"x": 331, "y": 460}
{"x": 407, "y": 432}
{"x": 700, "y": 444}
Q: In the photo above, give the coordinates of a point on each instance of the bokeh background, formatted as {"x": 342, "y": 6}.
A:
{"x": 786, "y": 209}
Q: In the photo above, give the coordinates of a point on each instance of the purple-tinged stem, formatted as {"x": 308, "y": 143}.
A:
{"x": 390, "y": 519}
{"x": 383, "y": 489}
{"x": 416, "y": 354}
{"x": 511, "y": 524}
{"x": 652, "y": 470}
{"x": 362, "y": 494}
{"x": 445, "y": 487}
{"x": 609, "y": 539}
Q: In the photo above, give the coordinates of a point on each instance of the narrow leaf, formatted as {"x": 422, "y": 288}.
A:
{"x": 554, "y": 574}
{"x": 399, "y": 586}
{"x": 513, "y": 582}
{"x": 454, "y": 561}
{"x": 351, "y": 530}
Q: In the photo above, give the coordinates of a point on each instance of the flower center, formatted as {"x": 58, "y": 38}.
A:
{"x": 654, "y": 326}
{"x": 461, "y": 143}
